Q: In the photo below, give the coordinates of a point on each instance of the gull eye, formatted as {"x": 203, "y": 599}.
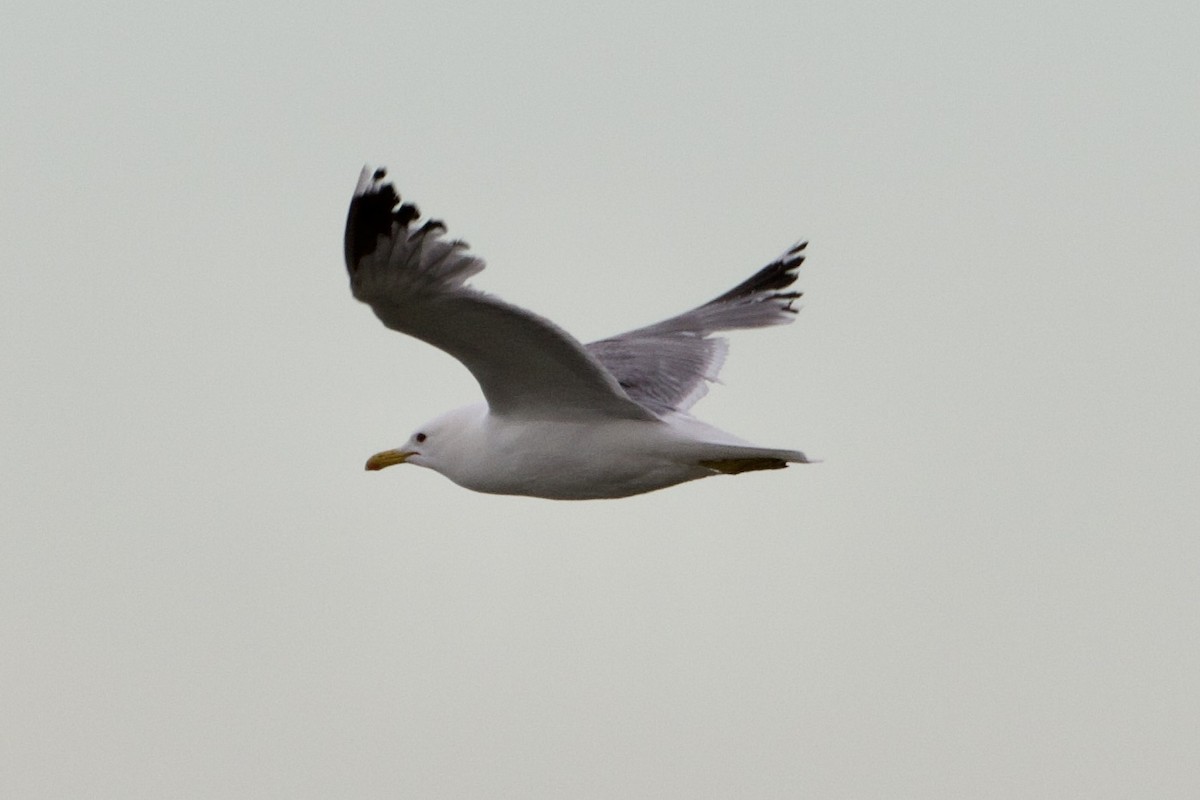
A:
{"x": 420, "y": 437}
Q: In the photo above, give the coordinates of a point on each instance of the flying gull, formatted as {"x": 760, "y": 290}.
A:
{"x": 562, "y": 420}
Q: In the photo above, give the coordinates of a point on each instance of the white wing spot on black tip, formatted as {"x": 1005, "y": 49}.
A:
{"x": 372, "y": 215}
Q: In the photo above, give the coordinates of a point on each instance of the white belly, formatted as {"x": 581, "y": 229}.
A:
{"x": 576, "y": 460}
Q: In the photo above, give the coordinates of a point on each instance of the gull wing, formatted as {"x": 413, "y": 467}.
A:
{"x": 414, "y": 280}
{"x": 666, "y": 366}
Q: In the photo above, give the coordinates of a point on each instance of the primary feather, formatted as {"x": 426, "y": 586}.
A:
{"x": 414, "y": 280}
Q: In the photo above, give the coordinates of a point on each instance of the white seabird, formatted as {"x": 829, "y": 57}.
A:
{"x": 563, "y": 420}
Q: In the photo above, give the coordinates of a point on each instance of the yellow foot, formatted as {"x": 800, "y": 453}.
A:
{"x": 732, "y": 466}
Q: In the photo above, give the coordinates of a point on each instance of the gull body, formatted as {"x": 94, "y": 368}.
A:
{"x": 575, "y": 459}
{"x": 562, "y": 420}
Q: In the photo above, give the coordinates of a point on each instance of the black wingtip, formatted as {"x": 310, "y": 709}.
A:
{"x": 779, "y": 274}
{"x": 374, "y": 208}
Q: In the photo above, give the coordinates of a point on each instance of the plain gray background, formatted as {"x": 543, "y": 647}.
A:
{"x": 988, "y": 588}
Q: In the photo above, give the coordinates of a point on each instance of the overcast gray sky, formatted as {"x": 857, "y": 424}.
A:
{"x": 987, "y": 589}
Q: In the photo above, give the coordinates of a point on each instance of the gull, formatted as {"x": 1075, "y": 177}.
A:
{"x": 562, "y": 420}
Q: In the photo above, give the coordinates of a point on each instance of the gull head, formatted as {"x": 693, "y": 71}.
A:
{"x": 434, "y": 445}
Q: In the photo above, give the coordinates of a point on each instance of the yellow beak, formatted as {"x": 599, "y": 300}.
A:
{"x": 389, "y": 458}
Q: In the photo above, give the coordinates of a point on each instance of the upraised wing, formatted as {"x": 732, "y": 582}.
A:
{"x": 414, "y": 280}
{"x": 667, "y": 366}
